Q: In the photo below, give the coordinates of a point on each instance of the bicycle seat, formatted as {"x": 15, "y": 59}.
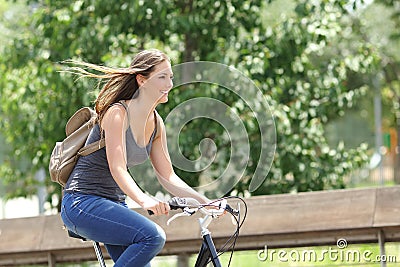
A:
{"x": 75, "y": 235}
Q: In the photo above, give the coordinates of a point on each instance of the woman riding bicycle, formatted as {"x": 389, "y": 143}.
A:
{"x": 94, "y": 202}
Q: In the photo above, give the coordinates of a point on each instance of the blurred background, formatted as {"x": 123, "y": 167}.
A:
{"x": 328, "y": 69}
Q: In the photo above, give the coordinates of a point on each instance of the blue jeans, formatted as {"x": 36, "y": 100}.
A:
{"x": 130, "y": 238}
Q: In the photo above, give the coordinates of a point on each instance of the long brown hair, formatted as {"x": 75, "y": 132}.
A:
{"x": 120, "y": 83}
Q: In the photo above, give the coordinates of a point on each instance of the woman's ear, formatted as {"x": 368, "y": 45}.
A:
{"x": 140, "y": 79}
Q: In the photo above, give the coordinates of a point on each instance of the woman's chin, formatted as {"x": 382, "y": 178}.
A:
{"x": 163, "y": 99}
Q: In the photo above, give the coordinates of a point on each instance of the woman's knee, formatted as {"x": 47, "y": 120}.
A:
{"x": 158, "y": 238}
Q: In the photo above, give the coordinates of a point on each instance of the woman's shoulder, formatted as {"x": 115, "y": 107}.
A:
{"x": 116, "y": 109}
{"x": 115, "y": 114}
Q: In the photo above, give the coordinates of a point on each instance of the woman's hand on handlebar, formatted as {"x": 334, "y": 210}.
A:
{"x": 157, "y": 207}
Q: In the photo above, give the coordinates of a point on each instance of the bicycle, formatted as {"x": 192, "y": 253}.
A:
{"x": 189, "y": 206}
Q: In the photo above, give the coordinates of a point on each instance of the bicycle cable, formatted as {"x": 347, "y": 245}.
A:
{"x": 233, "y": 238}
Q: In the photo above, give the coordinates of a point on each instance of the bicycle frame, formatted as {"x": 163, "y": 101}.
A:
{"x": 207, "y": 252}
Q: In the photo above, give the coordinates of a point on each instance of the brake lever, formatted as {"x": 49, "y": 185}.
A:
{"x": 186, "y": 212}
{"x": 235, "y": 214}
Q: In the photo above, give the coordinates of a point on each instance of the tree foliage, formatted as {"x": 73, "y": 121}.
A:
{"x": 389, "y": 45}
{"x": 306, "y": 64}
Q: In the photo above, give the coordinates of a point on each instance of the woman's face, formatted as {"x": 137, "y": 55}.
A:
{"x": 159, "y": 83}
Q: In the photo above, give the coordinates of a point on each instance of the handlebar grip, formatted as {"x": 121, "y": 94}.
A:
{"x": 181, "y": 203}
{"x": 177, "y": 203}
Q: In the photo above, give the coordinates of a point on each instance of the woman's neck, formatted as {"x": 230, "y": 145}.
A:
{"x": 141, "y": 106}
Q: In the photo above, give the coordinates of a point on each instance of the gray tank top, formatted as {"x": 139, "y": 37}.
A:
{"x": 92, "y": 175}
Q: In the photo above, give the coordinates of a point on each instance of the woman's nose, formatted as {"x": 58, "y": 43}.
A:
{"x": 171, "y": 84}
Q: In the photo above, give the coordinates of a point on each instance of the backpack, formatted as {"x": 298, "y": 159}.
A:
{"x": 66, "y": 153}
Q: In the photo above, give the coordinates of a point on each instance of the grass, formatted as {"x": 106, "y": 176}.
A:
{"x": 365, "y": 255}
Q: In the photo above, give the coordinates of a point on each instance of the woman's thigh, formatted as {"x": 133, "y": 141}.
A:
{"x": 103, "y": 220}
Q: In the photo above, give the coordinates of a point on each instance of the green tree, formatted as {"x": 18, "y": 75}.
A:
{"x": 37, "y": 106}
{"x": 387, "y": 36}
{"x": 307, "y": 62}
{"x": 300, "y": 62}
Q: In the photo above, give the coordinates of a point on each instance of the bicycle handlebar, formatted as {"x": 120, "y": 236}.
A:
{"x": 215, "y": 208}
{"x": 176, "y": 203}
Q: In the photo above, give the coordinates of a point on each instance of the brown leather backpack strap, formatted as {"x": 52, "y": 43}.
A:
{"x": 86, "y": 150}
{"x": 93, "y": 147}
